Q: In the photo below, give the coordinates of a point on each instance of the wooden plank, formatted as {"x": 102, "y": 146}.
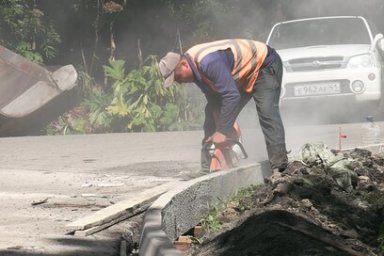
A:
{"x": 98, "y": 228}
{"x": 121, "y": 210}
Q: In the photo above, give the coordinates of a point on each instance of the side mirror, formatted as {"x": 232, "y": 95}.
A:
{"x": 378, "y": 42}
{"x": 380, "y": 45}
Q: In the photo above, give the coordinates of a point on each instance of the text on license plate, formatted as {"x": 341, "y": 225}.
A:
{"x": 317, "y": 89}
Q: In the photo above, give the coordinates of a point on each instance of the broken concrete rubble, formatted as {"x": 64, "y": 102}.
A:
{"x": 305, "y": 210}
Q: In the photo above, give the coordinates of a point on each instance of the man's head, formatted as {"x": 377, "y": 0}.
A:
{"x": 174, "y": 67}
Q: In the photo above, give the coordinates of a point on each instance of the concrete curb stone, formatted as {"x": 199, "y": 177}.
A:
{"x": 181, "y": 208}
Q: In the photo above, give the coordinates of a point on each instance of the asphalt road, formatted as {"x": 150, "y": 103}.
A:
{"x": 80, "y": 174}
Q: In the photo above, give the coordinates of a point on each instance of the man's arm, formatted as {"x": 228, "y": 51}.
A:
{"x": 217, "y": 70}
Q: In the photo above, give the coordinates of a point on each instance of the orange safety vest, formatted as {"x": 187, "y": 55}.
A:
{"x": 248, "y": 56}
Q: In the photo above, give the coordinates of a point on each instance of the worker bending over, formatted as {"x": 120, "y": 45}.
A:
{"x": 230, "y": 73}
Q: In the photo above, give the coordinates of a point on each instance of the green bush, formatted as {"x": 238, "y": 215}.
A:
{"x": 141, "y": 101}
{"x": 135, "y": 102}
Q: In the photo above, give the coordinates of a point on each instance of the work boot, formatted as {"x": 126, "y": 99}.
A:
{"x": 277, "y": 155}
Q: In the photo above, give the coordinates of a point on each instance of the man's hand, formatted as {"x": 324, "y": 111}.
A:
{"x": 218, "y": 138}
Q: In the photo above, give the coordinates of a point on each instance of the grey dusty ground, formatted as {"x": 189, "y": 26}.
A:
{"x": 73, "y": 176}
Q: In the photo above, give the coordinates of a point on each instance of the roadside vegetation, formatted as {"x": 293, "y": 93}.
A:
{"x": 115, "y": 45}
{"x": 228, "y": 209}
{"x": 135, "y": 102}
{"x": 111, "y": 99}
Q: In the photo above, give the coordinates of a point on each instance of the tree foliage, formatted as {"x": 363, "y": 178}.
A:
{"x": 25, "y": 29}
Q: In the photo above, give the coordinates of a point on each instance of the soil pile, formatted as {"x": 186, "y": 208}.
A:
{"x": 305, "y": 211}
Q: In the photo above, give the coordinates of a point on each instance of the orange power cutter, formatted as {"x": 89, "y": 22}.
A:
{"x": 228, "y": 155}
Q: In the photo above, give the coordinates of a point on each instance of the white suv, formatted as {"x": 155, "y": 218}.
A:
{"x": 332, "y": 65}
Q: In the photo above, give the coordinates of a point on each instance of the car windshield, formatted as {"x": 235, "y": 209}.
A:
{"x": 319, "y": 32}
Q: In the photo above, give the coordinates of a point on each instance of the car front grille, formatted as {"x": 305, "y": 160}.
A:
{"x": 344, "y": 87}
{"x": 314, "y": 63}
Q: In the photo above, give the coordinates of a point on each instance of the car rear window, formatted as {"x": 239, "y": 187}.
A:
{"x": 319, "y": 32}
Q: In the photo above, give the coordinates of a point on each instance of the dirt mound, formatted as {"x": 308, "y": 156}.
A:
{"x": 304, "y": 211}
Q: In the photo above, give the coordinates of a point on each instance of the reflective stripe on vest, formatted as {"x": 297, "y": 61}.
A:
{"x": 248, "y": 56}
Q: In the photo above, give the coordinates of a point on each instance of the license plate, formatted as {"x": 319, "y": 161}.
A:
{"x": 317, "y": 89}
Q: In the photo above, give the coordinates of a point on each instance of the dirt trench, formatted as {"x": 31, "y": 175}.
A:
{"x": 303, "y": 211}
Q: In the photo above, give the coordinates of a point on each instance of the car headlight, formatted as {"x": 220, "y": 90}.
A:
{"x": 361, "y": 61}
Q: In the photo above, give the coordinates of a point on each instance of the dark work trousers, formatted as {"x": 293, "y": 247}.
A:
{"x": 266, "y": 94}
